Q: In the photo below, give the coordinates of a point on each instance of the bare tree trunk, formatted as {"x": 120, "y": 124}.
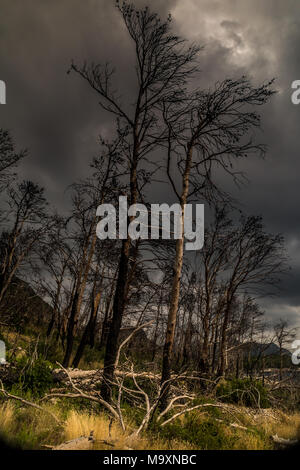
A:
{"x": 105, "y": 326}
{"x": 113, "y": 335}
{"x": 174, "y": 301}
{"x": 55, "y": 310}
{"x": 168, "y": 347}
{"x": 70, "y": 330}
{"x": 281, "y": 362}
{"x": 214, "y": 354}
{"x": 222, "y": 367}
{"x": 154, "y": 340}
{"x": 204, "y": 360}
{"x": 223, "y": 344}
{"x": 107, "y": 313}
{"x": 88, "y": 329}
{"x": 81, "y": 284}
{"x": 122, "y": 286}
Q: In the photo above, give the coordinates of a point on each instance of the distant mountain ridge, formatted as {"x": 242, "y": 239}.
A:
{"x": 22, "y": 305}
{"x": 265, "y": 349}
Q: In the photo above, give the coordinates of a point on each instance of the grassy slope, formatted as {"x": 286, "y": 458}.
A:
{"x": 31, "y": 429}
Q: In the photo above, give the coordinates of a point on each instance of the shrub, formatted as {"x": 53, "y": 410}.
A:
{"x": 244, "y": 392}
{"x": 51, "y": 350}
{"x": 35, "y": 378}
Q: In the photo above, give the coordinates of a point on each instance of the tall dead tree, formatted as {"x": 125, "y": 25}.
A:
{"x": 208, "y": 130}
{"x": 26, "y": 224}
{"x": 87, "y": 195}
{"x": 55, "y": 256}
{"x": 284, "y": 336}
{"x": 257, "y": 260}
{"x": 214, "y": 258}
{"x": 162, "y": 65}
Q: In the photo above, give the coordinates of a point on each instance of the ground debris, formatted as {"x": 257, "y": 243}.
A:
{"x": 80, "y": 443}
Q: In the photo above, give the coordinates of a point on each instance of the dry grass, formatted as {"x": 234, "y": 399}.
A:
{"x": 287, "y": 427}
{"x": 243, "y": 440}
{"x": 81, "y": 424}
{"x": 271, "y": 422}
{"x": 27, "y": 427}
{"x": 6, "y": 416}
{"x": 31, "y": 428}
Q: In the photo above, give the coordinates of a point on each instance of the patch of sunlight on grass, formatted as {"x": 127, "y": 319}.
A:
{"x": 6, "y": 416}
{"x": 288, "y": 427}
{"x": 81, "y": 424}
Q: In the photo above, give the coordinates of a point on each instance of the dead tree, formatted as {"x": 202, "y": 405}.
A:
{"x": 89, "y": 328}
{"x": 87, "y": 195}
{"x": 26, "y": 224}
{"x": 162, "y": 65}
{"x": 284, "y": 336}
{"x": 137, "y": 394}
{"x": 207, "y": 130}
{"x": 9, "y": 158}
{"x": 257, "y": 261}
{"x": 55, "y": 255}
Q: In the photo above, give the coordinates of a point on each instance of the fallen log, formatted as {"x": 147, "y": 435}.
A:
{"x": 83, "y": 443}
{"x": 80, "y": 443}
{"x": 233, "y": 425}
{"x": 78, "y": 374}
{"x": 86, "y": 376}
{"x": 284, "y": 442}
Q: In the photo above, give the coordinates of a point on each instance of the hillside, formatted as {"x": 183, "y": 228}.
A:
{"x": 22, "y": 306}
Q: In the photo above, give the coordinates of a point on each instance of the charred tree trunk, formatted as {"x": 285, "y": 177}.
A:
{"x": 53, "y": 320}
{"x": 88, "y": 329}
{"x": 204, "y": 359}
{"x": 70, "y": 331}
{"x": 122, "y": 285}
{"x": 116, "y": 322}
{"x": 107, "y": 314}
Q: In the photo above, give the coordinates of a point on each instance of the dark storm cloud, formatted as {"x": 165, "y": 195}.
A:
{"x": 58, "y": 118}
{"x": 52, "y": 113}
{"x": 260, "y": 39}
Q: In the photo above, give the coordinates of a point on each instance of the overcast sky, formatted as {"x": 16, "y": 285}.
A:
{"x": 58, "y": 118}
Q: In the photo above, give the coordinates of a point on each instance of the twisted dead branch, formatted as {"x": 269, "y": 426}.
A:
{"x": 149, "y": 401}
{"x": 26, "y": 402}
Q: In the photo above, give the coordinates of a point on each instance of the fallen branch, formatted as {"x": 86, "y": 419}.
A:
{"x": 233, "y": 425}
{"x": 188, "y": 410}
{"x": 29, "y": 403}
{"x": 80, "y": 443}
{"x": 170, "y": 405}
{"x": 78, "y": 374}
{"x": 81, "y": 394}
{"x": 284, "y": 442}
{"x": 128, "y": 339}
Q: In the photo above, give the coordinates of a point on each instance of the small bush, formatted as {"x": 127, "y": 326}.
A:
{"x": 35, "y": 378}
{"x": 204, "y": 434}
{"x": 51, "y": 350}
{"x": 244, "y": 392}
{"x": 27, "y": 428}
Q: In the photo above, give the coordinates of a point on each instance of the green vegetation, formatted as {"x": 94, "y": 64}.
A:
{"x": 34, "y": 378}
{"x": 245, "y": 392}
{"x": 28, "y": 428}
